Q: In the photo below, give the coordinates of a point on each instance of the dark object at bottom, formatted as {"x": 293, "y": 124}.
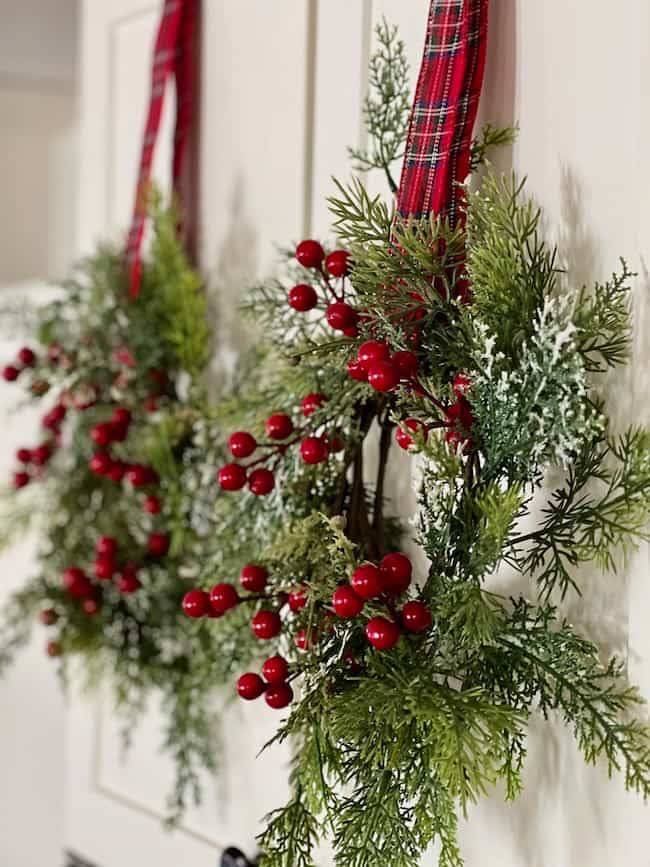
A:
{"x": 233, "y": 857}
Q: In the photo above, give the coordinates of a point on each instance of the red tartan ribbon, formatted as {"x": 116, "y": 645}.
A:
{"x": 437, "y": 156}
{"x": 173, "y": 54}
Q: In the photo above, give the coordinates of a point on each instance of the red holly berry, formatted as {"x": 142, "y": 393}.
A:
{"x": 250, "y": 686}
{"x": 76, "y": 582}
{"x": 100, "y": 463}
{"x": 129, "y": 582}
{"x": 105, "y": 568}
{"x": 118, "y": 432}
{"x": 196, "y": 603}
{"x": 158, "y": 544}
{"x": 306, "y": 639}
{"x": 106, "y": 546}
{"x": 416, "y": 617}
{"x": 24, "y": 456}
{"x": 337, "y": 263}
{"x": 102, "y": 434}
{"x": 310, "y": 254}
{"x": 90, "y": 606}
{"x": 406, "y": 362}
{"x": 311, "y": 402}
{"x": 242, "y": 444}
{"x": 367, "y": 581}
{"x": 117, "y": 471}
{"x": 54, "y": 417}
{"x": 232, "y": 477}
{"x": 352, "y": 331}
{"x": 26, "y": 356}
{"x": 335, "y": 444}
{"x": 253, "y": 578}
{"x": 405, "y": 440}
{"x": 151, "y": 504}
{"x": 223, "y": 597}
{"x": 383, "y": 375}
{"x": 41, "y": 454}
{"x": 10, "y": 373}
{"x": 275, "y": 669}
{"x": 53, "y": 648}
{"x": 21, "y": 479}
{"x": 461, "y": 384}
{"x": 278, "y": 695}
{"x": 279, "y": 426}
{"x": 396, "y": 571}
{"x": 355, "y": 371}
{"x": 346, "y": 602}
{"x": 48, "y": 617}
{"x": 340, "y": 315}
{"x": 297, "y": 599}
{"x": 313, "y": 450}
{"x": 261, "y": 482}
{"x": 372, "y": 351}
{"x": 266, "y": 624}
{"x": 454, "y": 439}
{"x": 303, "y": 297}
{"x": 382, "y": 633}
{"x": 121, "y": 416}
{"x": 461, "y": 412}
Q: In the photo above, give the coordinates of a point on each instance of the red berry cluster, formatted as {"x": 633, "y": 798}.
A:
{"x": 282, "y": 433}
{"x": 381, "y": 584}
{"x": 25, "y": 358}
{"x": 107, "y": 567}
{"x": 303, "y": 297}
{"x": 273, "y": 684}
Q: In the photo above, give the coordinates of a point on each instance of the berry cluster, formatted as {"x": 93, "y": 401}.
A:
{"x": 335, "y": 266}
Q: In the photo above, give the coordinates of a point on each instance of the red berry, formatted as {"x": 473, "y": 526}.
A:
{"x": 313, "y": 450}
{"x": 140, "y": 475}
{"x": 129, "y": 582}
{"x": 311, "y": 402}
{"x": 242, "y": 444}
{"x": 151, "y": 403}
{"x": 21, "y": 479}
{"x": 367, "y": 581}
{"x": 105, "y": 568}
{"x": 352, "y": 331}
{"x": 303, "y": 297}
{"x": 382, "y": 633}
{"x": 53, "y": 648}
{"x": 355, "y": 371}
{"x": 383, "y": 375}
{"x": 306, "y": 639}
{"x": 26, "y": 356}
{"x": 454, "y": 438}
{"x": 41, "y": 454}
{"x": 48, "y": 617}
{"x": 10, "y": 373}
{"x": 461, "y": 384}
{"x": 151, "y": 505}
{"x": 54, "y": 417}
{"x": 102, "y": 434}
{"x": 196, "y": 603}
{"x": 100, "y": 463}
{"x": 121, "y": 416}
{"x": 340, "y": 316}
{"x": 346, "y": 602}
{"x": 117, "y": 471}
{"x": 396, "y": 571}
{"x": 266, "y": 624}
{"x": 275, "y": 669}
{"x": 106, "y": 546}
{"x": 406, "y": 362}
{"x": 261, "y": 482}
{"x": 158, "y": 544}
{"x": 90, "y": 606}
{"x": 416, "y": 617}
{"x": 337, "y": 263}
{"x": 297, "y": 599}
{"x": 372, "y": 351}
{"x": 310, "y": 254}
{"x": 278, "y": 695}
{"x": 405, "y": 440}
{"x": 250, "y": 686}
{"x": 279, "y": 426}
{"x": 223, "y": 597}
{"x": 232, "y": 477}
{"x": 76, "y": 582}
{"x": 253, "y": 578}
{"x": 335, "y": 444}
{"x": 118, "y": 432}
{"x": 24, "y": 456}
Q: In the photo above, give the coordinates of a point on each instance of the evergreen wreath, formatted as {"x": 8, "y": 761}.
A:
{"x": 416, "y": 685}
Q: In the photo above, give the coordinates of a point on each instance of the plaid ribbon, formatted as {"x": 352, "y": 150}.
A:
{"x": 173, "y": 54}
{"x": 437, "y": 156}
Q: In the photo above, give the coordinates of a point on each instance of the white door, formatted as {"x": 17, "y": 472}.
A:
{"x": 281, "y": 96}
